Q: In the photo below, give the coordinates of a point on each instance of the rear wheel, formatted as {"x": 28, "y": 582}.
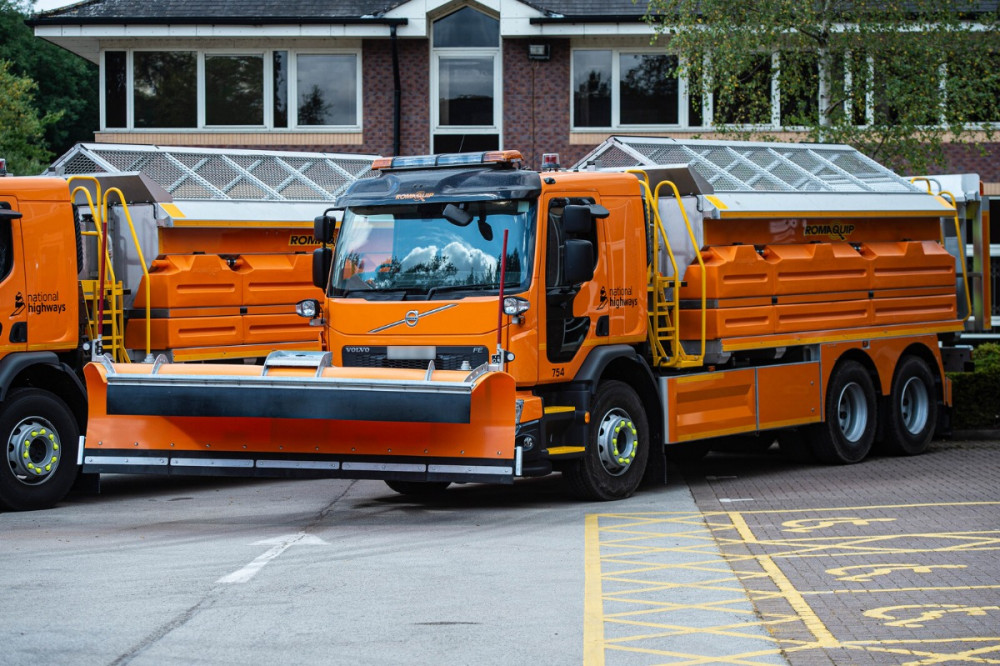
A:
{"x": 419, "y": 488}
{"x": 617, "y": 446}
{"x": 41, "y": 438}
{"x": 847, "y": 435}
{"x": 911, "y": 413}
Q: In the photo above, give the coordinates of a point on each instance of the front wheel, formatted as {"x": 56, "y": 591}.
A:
{"x": 41, "y": 437}
{"x": 847, "y": 435}
{"x": 617, "y": 446}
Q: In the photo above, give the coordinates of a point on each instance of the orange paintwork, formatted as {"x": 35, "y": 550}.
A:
{"x": 819, "y": 286}
{"x": 618, "y": 289}
{"x": 489, "y": 434}
{"x": 711, "y": 404}
{"x": 788, "y": 395}
{"x": 41, "y": 290}
{"x": 260, "y": 290}
{"x": 182, "y": 332}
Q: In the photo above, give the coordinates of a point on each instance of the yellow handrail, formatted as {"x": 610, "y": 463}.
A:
{"x": 958, "y": 236}
{"x": 701, "y": 264}
{"x": 142, "y": 260}
{"x": 679, "y": 357}
{"x": 961, "y": 251}
{"x": 653, "y": 279}
{"x": 95, "y": 212}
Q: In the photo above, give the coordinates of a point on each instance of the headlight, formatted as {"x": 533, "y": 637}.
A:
{"x": 308, "y": 308}
{"x": 515, "y": 305}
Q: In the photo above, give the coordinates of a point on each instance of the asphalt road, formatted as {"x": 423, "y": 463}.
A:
{"x": 739, "y": 559}
{"x": 208, "y": 571}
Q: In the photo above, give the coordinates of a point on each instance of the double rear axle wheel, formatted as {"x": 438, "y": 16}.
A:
{"x": 849, "y": 432}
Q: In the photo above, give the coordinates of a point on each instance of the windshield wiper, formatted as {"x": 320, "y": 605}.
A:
{"x": 467, "y": 287}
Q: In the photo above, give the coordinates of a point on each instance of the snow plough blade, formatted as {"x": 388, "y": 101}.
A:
{"x": 296, "y": 416}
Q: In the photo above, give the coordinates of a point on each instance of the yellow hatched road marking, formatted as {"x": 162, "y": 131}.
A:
{"x": 593, "y": 612}
{"x": 647, "y": 575}
{"x": 641, "y": 567}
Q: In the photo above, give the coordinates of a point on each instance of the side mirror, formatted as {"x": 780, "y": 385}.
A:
{"x": 577, "y": 219}
{"x": 578, "y": 264}
{"x": 322, "y": 261}
{"x": 324, "y": 226}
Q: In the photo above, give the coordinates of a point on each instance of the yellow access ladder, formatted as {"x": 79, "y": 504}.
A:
{"x": 663, "y": 332}
{"x": 106, "y": 302}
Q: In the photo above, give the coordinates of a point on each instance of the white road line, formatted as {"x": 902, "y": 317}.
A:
{"x": 280, "y": 545}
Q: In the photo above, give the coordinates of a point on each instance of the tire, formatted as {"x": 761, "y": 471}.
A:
{"x": 419, "y": 488}
{"x": 847, "y": 435}
{"x": 41, "y": 438}
{"x": 617, "y": 446}
{"x": 911, "y": 413}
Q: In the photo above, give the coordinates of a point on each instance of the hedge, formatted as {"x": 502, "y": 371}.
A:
{"x": 976, "y": 395}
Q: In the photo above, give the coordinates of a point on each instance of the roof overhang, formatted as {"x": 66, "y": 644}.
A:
{"x": 83, "y": 35}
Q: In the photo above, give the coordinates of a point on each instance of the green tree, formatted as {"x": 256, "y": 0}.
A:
{"x": 866, "y": 72}
{"x": 21, "y": 128}
{"x": 66, "y": 83}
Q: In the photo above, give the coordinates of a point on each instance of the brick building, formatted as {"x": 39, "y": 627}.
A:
{"x": 398, "y": 78}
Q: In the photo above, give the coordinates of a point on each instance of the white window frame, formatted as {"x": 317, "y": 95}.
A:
{"x": 616, "y": 53}
{"x": 495, "y": 54}
{"x": 268, "y": 91}
{"x": 434, "y": 97}
{"x": 202, "y": 111}
{"x": 293, "y": 91}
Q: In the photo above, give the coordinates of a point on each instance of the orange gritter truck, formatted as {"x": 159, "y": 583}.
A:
{"x": 482, "y": 322}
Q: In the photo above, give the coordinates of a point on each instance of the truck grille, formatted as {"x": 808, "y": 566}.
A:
{"x": 446, "y": 358}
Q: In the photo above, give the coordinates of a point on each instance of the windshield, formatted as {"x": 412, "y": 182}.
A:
{"x": 433, "y": 250}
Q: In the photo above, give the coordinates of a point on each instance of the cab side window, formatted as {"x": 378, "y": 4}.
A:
{"x": 557, "y": 237}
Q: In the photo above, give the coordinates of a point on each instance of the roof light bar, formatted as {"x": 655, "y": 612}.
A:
{"x": 3, "y": 167}
{"x": 506, "y": 157}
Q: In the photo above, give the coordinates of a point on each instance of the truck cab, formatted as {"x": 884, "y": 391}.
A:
{"x": 415, "y": 280}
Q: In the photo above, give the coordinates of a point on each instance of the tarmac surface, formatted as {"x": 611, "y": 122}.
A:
{"x": 739, "y": 559}
{"x": 891, "y": 561}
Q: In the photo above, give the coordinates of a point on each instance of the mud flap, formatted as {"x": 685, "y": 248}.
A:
{"x": 293, "y": 422}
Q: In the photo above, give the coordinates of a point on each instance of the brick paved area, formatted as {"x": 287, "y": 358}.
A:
{"x": 892, "y": 561}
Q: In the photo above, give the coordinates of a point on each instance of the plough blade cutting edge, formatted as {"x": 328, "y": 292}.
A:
{"x": 294, "y": 421}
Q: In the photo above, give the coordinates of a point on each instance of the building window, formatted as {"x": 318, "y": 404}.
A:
{"x": 592, "y": 88}
{"x": 465, "y": 82}
{"x": 466, "y": 28}
{"x": 234, "y": 90}
{"x": 191, "y": 90}
{"x": 115, "y": 89}
{"x": 648, "y": 94}
{"x": 279, "y": 83}
{"x": 327, "y": 89}
{"x": 165, "y": 89}
{"x": 465, "y": 86}
{"x": 624, "y": 88}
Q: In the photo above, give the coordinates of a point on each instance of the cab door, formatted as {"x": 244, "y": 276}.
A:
{"x": 13, "y": 308}
{"x": 568, "y": 322}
